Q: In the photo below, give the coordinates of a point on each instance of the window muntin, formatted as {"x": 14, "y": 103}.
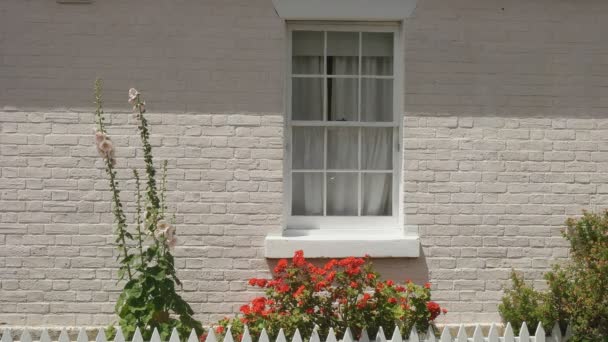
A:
{"x": 343, "y": 125}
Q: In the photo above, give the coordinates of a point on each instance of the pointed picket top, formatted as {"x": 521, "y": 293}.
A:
{"x": 82, "y": 336}
{"x": 192, "y": 337}
{"x": 44, "y": 336}
{"x": 63, "y": 336}
{"x": 396, "y": 335}
{"x": 155, "y": 336}
{"x": 445, "y": 335}
{"x": 174, "y": 336}
{"x": 246, "y": 335}
{"x": 556, "y": 333}
{"x": 509, "y": 336}
{"x": 364, "y": 336}
{"x": 568, "y": 333}
{"x": 430, "y": 335}
{"x": 331, "y": 336}
{"x": 348, "y": 336}
{"x": 539, "y": 336}
{"x": 296, "y": 336}
{"x": 413, "y": 335}
{"x": 493, "y": 334}
{"x": 101, "y": 336}
{"x": 7, "y": 336}
{"x": 477, "y": 334}
{"x": 228, "y": 337}
{"x": 524, "y": 334}
{"x": 264, "y": 336}
{"x": 211, "y": 336}
{"x": 462, "y": 334}
{"x": 314, "y": 337}
{"x": 25, "y": 336}
{"x": 380, "y": 336}
{"x": 281, "y": 337}
{"x": 137, "y": 337}
{"x": 119, "y": 337}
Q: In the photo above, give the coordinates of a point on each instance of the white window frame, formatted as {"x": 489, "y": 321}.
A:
{"x": 324, "y": 225}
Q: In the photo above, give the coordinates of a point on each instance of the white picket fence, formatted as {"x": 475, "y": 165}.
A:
{"x": 415, "y": 336}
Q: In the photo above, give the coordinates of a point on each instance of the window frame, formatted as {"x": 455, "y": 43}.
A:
{"x": 324, "y": 224}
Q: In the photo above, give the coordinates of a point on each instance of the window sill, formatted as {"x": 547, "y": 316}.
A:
{"x": 342, "y": 244}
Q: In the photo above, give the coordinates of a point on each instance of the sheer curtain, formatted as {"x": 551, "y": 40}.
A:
{"x": 308, "y": 148}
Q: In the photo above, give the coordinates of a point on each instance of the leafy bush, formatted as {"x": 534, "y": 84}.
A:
{"x": 578, "y": 290}
{"x": 149, "y": 299}
{"x": 343, "y": 293}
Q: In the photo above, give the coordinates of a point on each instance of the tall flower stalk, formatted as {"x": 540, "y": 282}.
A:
{"x": 149, "y": 299}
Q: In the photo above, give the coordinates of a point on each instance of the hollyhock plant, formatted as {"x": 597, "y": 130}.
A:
{"x": 342, "y": 293}
{"x": 149, "y": 299}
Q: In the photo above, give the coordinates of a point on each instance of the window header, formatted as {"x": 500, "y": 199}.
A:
{"x": 344, "y": 9}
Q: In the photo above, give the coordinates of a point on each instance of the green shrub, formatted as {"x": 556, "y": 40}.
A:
{"x": 577, "y": 291}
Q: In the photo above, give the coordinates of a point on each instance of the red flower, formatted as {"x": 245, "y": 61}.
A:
{"x": 427, "y": 285}
{"x": 330, "y": 277}
{"x": 310, "y": 311}
{"x": 202, "y": 338}
{"x": 320, "y": 285}
{"x": 354, "y": 285}
{"x": 371, "y": 276}
{"x": 298, "y": 258}
{"x": 261, "y": 282}
{"x": 281, "y": 266}
{"x": 392, "y": 300}
{"x": 299, "y": 291}
{"x": 390, "y": 283}
{"x": 444, "y": 310}
{"x": 330, "y": 264}
{"x": 245, "y": 309}
{"x": 219, "y": 330}
{"x": 253, "y": 281}
{"x": 434, "y": 309}
{"x": 400, "y": 288}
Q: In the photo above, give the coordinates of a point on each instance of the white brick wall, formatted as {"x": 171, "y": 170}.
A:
{"x": 505, "y": 137}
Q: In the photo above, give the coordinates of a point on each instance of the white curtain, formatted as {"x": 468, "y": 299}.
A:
{"x": 342, "y": 151}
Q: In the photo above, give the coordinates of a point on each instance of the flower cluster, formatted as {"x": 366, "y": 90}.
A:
{"x": 166, "y": 231}
{"x": 105, "y": 148}
{"x": 339, "y": 294}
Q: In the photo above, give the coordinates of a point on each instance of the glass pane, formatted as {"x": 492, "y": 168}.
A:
{"x": 376, "y": 149}
{"x": 342, "y": 148}
{"x": 342, "y": 99}
{"x": 342, "y": 53}
{"x": 307, "y": 148}
{"x": 376, "y": 100}
{"x": 342, "y": 194}
{"x": 377, "y": 194}
{"x": 307, "y": 99}
{"x": 307, "y": 193}
{"x": 377, "y": 53}
{"x": 307, "y": 52}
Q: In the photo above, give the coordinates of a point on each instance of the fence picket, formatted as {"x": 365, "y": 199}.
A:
{"x": 137, "y": 337}
{"x": 281, "y": 337}
{"x": 396, "y": 335}
{"x": 296, "y": 336}
{"x": 82, "y": 336}
{"x": 264, "y": 336}
{"x": 120, "y": 337}
{"x": 44, "y": 336}
{"x": 509, "y": 336}
{"x": 25, "y": 336}
{"x": 63, "y": 336}
{"x": 7, "y": 336}
{"x": 155, "y": 336}
{"x": 246, "y": 335}
{"x": 493, "y": 334}
{"x": 364, "y": 336}
{"x": 445, "y": 335}
{"x": 211, "y": 336}
{"x": 174, "y": 336}
{"x": 348, "y": 336}
{"x": 413, "y": 334}
{"x": 568, "y": 333}
{"x": 193, "y": 337}
{"x": 539, "y": 336}
{"x": 101, "y": 336}
{"x": 462, "y": 335}
{"x": 380, "y": 337}
{"x": 331, "y": 336}
{"x": 524, "y": 334}
{"x": 556, "y": 333}
{"x": 314, "y": 337}
{"x": 477, "y": 334}
{"x": 228, "y": 337}
{"x": 430, "y": 335}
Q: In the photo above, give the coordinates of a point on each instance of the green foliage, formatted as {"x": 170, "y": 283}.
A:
{"x": 149, "y": 298}
{"x": 577, "y": 291}
{"x": 343, "y": 293}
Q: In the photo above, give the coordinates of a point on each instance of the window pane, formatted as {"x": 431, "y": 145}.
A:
{"x": 376, "y": 148}
{"x": 377, "y": 194}
{"x": 377, "y": 54}
{"x": 307, "y": 52}
{"x": 342, "y": 148}
{"x": 307, "y": 148}
{"x": 376, "y": 100}
{"x": 307, "y": 99}
{"x": 307, "y": 194}
{"x": 342, "y": 53}
{"x": 342, "y": 194}
{"x": 342, "y": 99}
